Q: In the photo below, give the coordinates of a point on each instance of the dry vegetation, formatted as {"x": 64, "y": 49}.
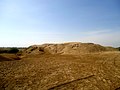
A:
{"x": 69, "y": 66}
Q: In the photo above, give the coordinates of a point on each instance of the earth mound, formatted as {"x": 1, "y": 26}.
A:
{"x": 72, "y": 48}
{"x": 67, "y": 66}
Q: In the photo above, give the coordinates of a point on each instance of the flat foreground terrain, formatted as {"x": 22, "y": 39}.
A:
{"x": 96, "y": 71}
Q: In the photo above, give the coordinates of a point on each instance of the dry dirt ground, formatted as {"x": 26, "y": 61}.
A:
{"x": 95, "y": 71}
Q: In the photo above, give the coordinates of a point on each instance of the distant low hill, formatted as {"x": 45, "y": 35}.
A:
{"x": 72, "y": 48}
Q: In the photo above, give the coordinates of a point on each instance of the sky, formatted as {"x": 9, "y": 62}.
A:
{"x": 28, "y": 22}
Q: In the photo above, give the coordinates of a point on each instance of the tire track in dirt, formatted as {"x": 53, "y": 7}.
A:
{"x": 70, "y": 82}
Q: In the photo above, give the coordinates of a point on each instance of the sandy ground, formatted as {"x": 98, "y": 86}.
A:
{"x": 97, "y": 71}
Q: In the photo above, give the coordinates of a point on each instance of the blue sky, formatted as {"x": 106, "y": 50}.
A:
{"x": 28, "y": 22}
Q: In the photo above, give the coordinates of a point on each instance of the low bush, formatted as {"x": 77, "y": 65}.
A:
{"x": 3, "y": 51}
{"x": 13, "y": 50}
{"x": 119, "y": 48}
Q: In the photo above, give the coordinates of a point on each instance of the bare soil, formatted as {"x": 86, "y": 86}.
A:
{"x": 92, "y": 71}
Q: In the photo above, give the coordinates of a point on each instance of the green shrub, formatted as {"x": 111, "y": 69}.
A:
{"x": 3, "y": 51}
{"x": 13, "y": 50}
{"x": 119, "y": 48}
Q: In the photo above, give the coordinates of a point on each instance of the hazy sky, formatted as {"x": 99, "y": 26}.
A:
{"x": 28, "y": 22}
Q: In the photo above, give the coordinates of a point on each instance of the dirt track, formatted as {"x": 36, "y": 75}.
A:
{"x": 98, "y": 71}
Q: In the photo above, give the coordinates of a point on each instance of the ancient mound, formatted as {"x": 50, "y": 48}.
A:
{"x": 73, "y": 48}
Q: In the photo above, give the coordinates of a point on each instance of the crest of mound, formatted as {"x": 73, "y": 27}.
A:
{"x": 72, "y": 48}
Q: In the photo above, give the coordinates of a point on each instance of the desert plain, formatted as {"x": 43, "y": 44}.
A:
{"x": 66, "y": 66}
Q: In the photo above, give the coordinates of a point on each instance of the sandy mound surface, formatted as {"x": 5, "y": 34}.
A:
{"x": 73, "y": 48}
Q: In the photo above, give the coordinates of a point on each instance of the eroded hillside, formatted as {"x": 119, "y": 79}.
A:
{"x": 73, "y": 48}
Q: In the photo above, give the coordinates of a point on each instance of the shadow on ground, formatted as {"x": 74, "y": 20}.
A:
{"x": 2, "y": 58}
